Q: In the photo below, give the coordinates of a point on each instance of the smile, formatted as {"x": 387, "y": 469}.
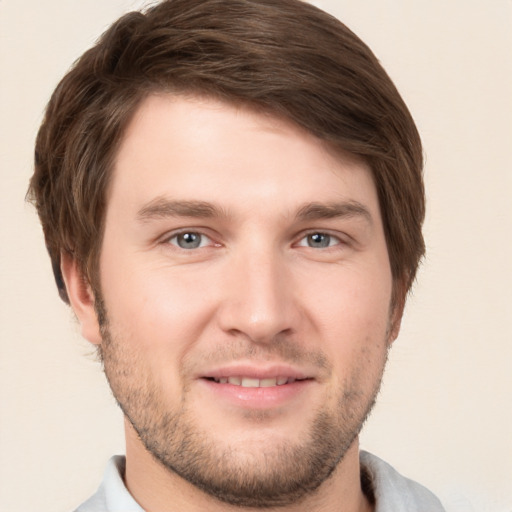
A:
{"x": 250, "y": 382}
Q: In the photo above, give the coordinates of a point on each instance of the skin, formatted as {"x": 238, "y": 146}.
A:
{"x": 291, "y": 277}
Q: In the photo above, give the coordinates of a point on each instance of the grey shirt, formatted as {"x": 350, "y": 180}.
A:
{"x": 392, "y": 492}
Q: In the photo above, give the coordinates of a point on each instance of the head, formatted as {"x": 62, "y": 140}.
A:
{"x": 287, "y": 58}
{"x": 294, "y": 77}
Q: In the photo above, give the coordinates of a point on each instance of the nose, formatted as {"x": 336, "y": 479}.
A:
{"x": 259, "y": 300}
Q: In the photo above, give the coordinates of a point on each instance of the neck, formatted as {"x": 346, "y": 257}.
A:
{"x": 157, "y": 489}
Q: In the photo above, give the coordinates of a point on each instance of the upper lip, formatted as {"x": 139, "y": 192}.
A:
{"x": 254, "y": 371}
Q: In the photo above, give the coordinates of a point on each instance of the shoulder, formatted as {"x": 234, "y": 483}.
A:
{"x": 393, "y": 492}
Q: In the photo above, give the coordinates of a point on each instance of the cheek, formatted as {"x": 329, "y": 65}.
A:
{"x": 352, "y": 301}
{"x": 352, "y": 316}
{"x": 159, "y": 310}
{"x": 154, "y": 322}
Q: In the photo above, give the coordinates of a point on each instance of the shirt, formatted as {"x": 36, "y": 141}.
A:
{"x": 392, "y": 492}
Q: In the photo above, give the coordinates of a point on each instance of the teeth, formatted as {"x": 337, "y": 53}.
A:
{"x": 249, "y": 382}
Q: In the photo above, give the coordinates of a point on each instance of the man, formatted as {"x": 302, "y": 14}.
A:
{"x": 231, "y": 195}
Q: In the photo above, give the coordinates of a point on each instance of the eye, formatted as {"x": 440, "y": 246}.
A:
{"x": 190, "y": 240}
{"x": 319, "y": 240}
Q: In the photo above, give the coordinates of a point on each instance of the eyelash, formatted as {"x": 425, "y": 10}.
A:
{"x": 189, "y": 232}
{"x": 326, "y": 234}
{"x": 304, "y": 236}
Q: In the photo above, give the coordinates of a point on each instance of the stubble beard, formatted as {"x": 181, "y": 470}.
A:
{"x": 272, "y": 475}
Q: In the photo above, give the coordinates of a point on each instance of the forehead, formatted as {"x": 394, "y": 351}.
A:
{"x": 203, "y": 149}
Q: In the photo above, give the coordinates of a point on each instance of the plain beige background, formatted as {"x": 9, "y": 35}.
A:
{"x": 444, "y": 416}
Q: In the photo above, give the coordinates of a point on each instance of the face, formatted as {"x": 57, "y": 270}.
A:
{"x": 246, "y": 287}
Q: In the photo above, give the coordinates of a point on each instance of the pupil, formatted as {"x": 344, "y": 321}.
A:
{"x": 319, "y": 240}
{"x": 189, "y": 240}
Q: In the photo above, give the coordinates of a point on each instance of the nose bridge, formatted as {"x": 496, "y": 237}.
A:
{"x": 259, "y": 298}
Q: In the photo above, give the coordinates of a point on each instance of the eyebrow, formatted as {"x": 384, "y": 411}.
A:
{"x": 318, "y": 211}
{"x": 161, "y": 208}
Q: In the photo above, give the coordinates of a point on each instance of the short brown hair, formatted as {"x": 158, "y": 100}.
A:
{"x": 286, "y": 57}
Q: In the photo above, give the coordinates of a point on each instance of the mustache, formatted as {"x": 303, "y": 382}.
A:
{"x": 280, "y": 350}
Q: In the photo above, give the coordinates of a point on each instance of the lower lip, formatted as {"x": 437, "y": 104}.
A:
{"x": 259, "y": 398}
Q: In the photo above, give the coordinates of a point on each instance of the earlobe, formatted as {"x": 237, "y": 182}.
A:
{"x": 397, "y": 310}
{"x": 81, "y": 298}
{"x": 396, "y": 321}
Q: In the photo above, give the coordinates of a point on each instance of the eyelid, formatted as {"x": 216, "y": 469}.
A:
{"x": 340, "y": 237}
{"x": 166, "y": 239}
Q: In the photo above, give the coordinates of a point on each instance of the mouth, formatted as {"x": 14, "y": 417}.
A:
{"x": 251, "y": 382}
{"x": 258, "y": 387}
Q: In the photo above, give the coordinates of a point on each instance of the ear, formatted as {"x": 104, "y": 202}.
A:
{"x": 81, "y": 298}
{"x": 397, "y": 309}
